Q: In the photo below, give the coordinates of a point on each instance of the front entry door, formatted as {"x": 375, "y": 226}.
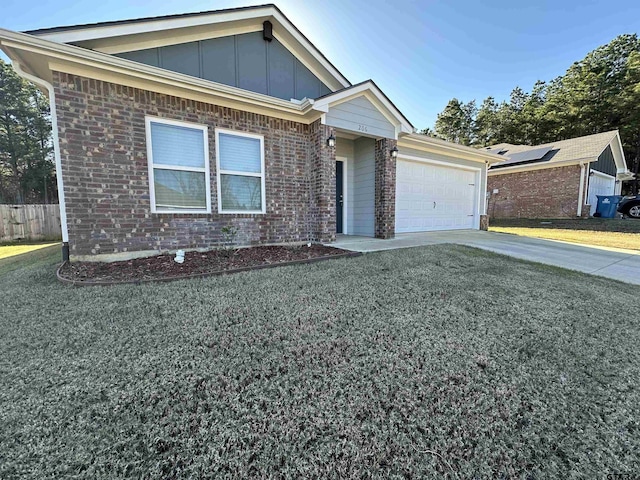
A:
{"x": 339, "y": 197}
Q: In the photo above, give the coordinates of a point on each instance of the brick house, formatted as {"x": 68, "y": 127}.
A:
{"x": 168, "y": 129}
{"x": 556, "y": 180}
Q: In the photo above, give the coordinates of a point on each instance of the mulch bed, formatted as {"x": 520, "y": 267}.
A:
{"x": 196, "y": 264}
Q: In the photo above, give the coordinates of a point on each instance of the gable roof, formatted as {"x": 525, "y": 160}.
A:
{"x": 369, "y": 88}
{"x": 137, "y": 34}
{"x": 564, "y": 152}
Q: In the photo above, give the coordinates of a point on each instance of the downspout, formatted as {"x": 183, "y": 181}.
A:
{"x": 486, "y": 188}
{"x": 581, "y": 191}
{"x": 56, "y": 154}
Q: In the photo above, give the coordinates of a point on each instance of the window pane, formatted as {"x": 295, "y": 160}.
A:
{"x": 178, "y": 189}
{"x": 179, "y": 146}
{"x": 240, "y": 193}
{"x": 239, "y": 154}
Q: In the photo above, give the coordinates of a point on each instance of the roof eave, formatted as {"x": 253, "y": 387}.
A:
{"x": 444, "y": 146}
{"x": 89, "y": 32}
{"x": 323, "y": 103}
{"x": 72, "y": 59}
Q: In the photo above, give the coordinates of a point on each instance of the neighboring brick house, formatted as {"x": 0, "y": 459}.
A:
{"x": 168, "y": 129}
{"x": 556, "y": 180}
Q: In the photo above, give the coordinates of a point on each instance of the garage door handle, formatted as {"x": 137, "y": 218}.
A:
{"x": 434, "y": 204}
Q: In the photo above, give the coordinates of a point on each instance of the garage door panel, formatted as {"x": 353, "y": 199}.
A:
{"x": 434, "y": 197}
{"x": 599, "y": 185}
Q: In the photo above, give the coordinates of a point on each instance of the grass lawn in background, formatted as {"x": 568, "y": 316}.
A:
{"x": 13, "y": 256}
{"x": 431, "y": 362}
{"x": 613, "y": 233}
{"x": 13, "y": 249}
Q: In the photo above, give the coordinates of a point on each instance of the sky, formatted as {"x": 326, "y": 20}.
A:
{"x": 420, "y": 53}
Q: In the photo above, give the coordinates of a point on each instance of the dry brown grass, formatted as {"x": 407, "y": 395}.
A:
{"x": 629, "y": 241}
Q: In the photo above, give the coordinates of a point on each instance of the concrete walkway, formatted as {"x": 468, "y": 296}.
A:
{"x": 618, "y": 264}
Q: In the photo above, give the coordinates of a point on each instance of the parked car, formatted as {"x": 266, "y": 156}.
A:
{"x": 630, "y": 206}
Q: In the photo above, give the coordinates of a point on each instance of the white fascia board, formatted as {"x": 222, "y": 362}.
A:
{"x": 159, "y": 25}
{"x": 72, "y": 59}
{"x": 309, "y": 47}
{"x": 451, "y": 164}
{"x": 618, "y": 154}
{"x": 145, "y": 41}
{"x": 373, "y": 94}
{"x": 152, "y": 25}
{"x": 429, "y": 144}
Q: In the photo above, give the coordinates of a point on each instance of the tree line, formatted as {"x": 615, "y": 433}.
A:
{"x": 596, "y": 94}
{"x": 27, "y": 168}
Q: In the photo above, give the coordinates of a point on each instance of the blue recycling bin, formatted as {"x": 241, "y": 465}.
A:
{"x": 607, "y": 206}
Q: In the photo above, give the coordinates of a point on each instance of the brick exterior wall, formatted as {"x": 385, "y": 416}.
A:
{"x": 385, "y": 186}
{"x": 105, "y": 173}
{"x": 545, "y": 193}
{"x": 323, "y": 183}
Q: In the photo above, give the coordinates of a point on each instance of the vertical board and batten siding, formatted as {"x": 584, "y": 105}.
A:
{"x": 606, "y": 163}
{"x": 31, "y": 222}
{"x": 245, "y": 61}
{"x": 360, "y": 115}
{"x": 363, "y": 206}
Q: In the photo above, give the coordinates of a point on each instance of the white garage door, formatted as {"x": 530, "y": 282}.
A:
{"x": 434, "y": 197}
{"x": 599, "y": 184}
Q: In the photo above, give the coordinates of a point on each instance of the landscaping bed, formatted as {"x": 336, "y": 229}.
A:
{"x": 196, "y": 264}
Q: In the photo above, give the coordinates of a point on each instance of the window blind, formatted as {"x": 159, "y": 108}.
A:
{"x": 177, "y": 146}
{"x": 239, "y": 154}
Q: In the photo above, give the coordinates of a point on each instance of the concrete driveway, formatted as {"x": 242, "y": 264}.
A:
{"x": 623, "y": 265}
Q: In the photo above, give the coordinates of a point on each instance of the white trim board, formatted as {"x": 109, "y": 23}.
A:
{"x": 413, "y": 158}
{"x": 287, "y": 33}
{"x": 345, "y": 193}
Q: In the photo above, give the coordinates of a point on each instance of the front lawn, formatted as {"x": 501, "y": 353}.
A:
{"x": 430, "y": 362}
{"x": 602, "y": 232}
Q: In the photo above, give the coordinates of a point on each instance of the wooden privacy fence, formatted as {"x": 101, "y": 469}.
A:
{"x": 29, "y": 222}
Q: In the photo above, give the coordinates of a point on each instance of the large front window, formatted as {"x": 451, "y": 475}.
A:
{"x": 178, "y": 166}
{"x": 240, "y": 162}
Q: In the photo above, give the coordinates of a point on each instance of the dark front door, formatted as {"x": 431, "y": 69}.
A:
{"x": 339, "y": 196}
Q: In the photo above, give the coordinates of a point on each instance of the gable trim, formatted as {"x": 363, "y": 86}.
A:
{"x": 94, "y": 32}
{"x": 40, "y": 57}
{"x": 369, "y": 90}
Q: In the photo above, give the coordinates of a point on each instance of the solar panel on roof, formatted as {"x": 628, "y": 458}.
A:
{"x": 495, "y": 150}
{"x": 527, "y": 156}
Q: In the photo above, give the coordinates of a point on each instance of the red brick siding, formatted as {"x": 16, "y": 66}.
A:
{"x": 385, "y": 189}
{"x": 323, "y": 183}
{"x": 104, "y": 160}
{"x": 545, "y": 193}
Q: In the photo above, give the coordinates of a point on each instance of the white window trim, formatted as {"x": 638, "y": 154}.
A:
{"x": 241, "y": 174}
{"x": 151, "y": 165}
